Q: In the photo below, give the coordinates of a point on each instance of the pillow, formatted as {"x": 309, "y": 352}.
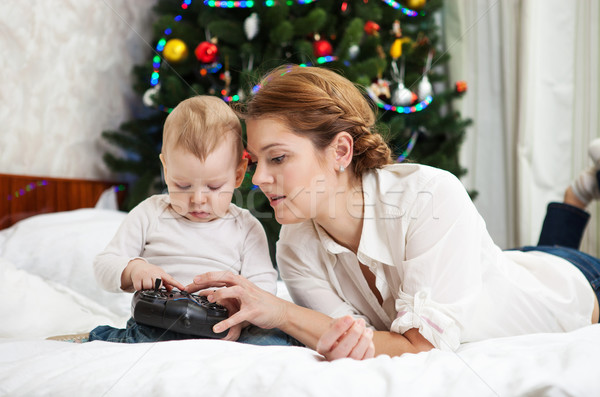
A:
{"x": 61, "y": 247}
{"x": 34, "y": 307}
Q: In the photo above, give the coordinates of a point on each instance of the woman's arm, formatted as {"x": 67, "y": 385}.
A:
{"x": 338, "y": 341}
{"x": 339, "y": 338}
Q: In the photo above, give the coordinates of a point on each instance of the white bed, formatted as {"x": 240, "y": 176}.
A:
{"x": 49, "y": 289}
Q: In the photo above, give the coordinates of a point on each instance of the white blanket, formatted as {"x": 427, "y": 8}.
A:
{"x": 534, "y": 365}
{"x": 39, "y": 301}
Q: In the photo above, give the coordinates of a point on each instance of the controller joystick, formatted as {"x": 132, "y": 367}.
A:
{"x": 153, "y": 293}
{"x": 177, "y": 311}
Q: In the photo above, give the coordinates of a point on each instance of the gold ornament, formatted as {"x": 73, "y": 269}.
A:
{"x": 396, "y": 49}
{"x": 415, "y": 4}
{"x": 175, "y": 51}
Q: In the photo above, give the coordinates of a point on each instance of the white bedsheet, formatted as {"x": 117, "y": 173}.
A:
{"x": 39, "y": 301}
{"x": 534, "y": 365}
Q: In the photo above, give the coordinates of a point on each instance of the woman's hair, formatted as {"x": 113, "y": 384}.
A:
{"x": 318, "y": 103}
{"x": 199, "y": 124}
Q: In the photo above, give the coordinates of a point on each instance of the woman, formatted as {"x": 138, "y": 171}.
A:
{"x": 383, "y": 258}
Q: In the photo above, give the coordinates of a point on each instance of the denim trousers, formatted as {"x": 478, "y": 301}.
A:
{"x": 561, "y": 235}
{"x": 140, "y": 333}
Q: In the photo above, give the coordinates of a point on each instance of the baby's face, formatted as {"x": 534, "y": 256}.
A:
{"x": 201, "y": 191}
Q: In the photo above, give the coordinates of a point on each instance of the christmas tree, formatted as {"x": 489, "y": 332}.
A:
{"x": 222, "y": 48}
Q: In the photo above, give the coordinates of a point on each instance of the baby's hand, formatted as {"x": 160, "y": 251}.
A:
{"x": 143, "y": 275}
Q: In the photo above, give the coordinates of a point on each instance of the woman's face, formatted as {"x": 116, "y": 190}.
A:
{"x": 296, "y": 178}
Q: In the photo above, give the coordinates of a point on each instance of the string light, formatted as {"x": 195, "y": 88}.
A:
{"x": 400, "y": 109}
{"x": 409, "y": 147}
{"x": 231, "y": 98}
{"x": 229, "y": 4}
{"x": 28, "y": 188}
{"x": 249, "y": 4}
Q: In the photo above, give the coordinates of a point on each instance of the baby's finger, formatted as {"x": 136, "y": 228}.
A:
{"x": 169, "y": 281}
{"x": 191, "y": 288}
{"x": 147, "y": 283}
{"x": 142, "y": 283}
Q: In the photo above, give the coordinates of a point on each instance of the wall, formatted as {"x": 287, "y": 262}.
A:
{"x": 65, "y": 78}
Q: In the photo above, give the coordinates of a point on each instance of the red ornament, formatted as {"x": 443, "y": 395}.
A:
{"x": 206, "y": 52}
{"x": 414, "y": 97}
{"x": 461, "y": 86}
{"x": 322, "y": 48}
{"x": 371, "y": 28}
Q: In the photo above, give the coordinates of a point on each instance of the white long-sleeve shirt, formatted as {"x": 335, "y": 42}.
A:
{"x": 184, "y": 249}
{"x": 436, "y": 267}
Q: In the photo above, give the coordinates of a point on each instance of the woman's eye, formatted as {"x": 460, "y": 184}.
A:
{"x": 278, "y": 160}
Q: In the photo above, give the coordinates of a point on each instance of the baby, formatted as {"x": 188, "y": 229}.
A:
{"x": 193, "y": 229}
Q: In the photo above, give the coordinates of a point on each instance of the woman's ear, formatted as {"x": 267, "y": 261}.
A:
{"x": 240, "y": 172}
{"x": 343, "y": 146}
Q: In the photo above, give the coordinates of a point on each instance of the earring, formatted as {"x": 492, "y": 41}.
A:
{"x": 342, "y": 168}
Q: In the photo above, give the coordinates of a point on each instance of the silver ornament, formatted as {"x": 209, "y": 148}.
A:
{"x": 147, "y": 98}
{"x": 353, "y": 51}
{"x": 424, "y": 90}
{"x": 251, "y": 26}
{"x": 402, "y": 96}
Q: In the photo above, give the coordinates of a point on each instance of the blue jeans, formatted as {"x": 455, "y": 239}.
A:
{"x": 139, "y": 333}
{"x": 561, "y": 235}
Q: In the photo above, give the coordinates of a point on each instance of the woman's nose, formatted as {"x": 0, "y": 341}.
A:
{"x": 261, "y": 176}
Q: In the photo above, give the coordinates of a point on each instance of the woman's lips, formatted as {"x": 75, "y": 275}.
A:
{"x": 274, "y": 200}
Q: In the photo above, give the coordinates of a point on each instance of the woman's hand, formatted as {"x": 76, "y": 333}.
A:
{"x": 235, "y": 331}
{"x": 141, "y": 275}
{"x": 347, "y": 337}
{"x": 256, "y": 305}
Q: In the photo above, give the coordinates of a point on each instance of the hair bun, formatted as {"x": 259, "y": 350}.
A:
{"x": 370, "y": 151}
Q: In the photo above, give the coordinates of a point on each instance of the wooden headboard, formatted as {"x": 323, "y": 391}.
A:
{"x": 22, "y": 196}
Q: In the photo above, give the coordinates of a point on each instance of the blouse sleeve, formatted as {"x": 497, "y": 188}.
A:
{"x": 256, "y": 260}
{"x": 303, "y": 266}
{"x": 442, "y": 271}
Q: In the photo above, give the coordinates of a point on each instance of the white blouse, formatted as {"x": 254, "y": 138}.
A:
{"x": 436, "y": 267}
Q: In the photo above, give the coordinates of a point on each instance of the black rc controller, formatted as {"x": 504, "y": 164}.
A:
{"x": 177, "y": 311}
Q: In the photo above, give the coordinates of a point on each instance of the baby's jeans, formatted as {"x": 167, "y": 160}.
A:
{"x": 139, "y": 333}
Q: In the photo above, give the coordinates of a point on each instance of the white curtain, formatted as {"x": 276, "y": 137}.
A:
{"x": 533, "y": 70}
